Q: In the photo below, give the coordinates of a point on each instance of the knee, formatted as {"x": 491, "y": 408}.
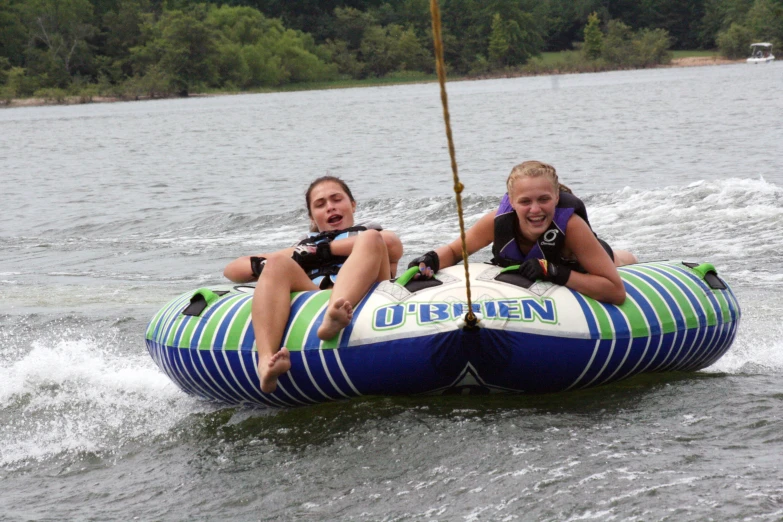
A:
{"x": 371, "y": 239}
{"x": 278, "y": 267}
{"x": 624, "y": 257}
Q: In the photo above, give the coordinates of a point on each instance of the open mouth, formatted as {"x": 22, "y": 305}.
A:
{"x": 336, "y": 218}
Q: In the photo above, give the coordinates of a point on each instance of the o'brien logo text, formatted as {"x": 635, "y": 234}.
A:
{"x": 526, "y": 309}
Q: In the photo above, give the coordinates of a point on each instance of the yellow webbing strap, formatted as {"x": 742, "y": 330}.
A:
{"x": 470, "y": 318}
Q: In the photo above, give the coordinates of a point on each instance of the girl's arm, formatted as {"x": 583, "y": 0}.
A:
{"x": 601, "y": 282}
{"x": 239, "y": 270}
{"x": 481, "y": 234}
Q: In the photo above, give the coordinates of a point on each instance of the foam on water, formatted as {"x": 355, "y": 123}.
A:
{"x": 79, "y": 394}
{"x": 727, "y": 222}
{"x": 757, "y": 349}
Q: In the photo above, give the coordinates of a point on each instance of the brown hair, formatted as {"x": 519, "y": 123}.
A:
{"x": 534, "y": 169}
{"x": 318, "y": 181}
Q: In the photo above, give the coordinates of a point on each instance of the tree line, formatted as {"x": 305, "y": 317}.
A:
{"x": 164, "y": 47}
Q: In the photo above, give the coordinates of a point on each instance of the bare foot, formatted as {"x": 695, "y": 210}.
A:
{"x": 337, "y": 317}
{"x": 273, "y": 367}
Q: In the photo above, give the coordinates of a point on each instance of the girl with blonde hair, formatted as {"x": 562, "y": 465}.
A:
{"x": 542, "y": 227}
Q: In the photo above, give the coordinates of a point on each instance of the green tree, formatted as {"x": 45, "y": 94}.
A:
{"x": 393, "y": 48}
{"x": 682, "y": 20}
{"x": 733, "y": 42}
{"x": 413, "y": 55}
{"x": 266, "y": 68}
{"x": 594, "y": 38}
{"x": 299, "y": 57}
{"x": 499, "y": 41}
{"x": 651, "y": 47}
{"x": 232, "y": 67}
{"x": 347, "y": 60}
{"x": 254, "y": 50}
{"x": 525, "y": 35}
{"x": 377, "y": 50}
{"x": 19, "y": 84}
{"x": 765, "y": 21}
{"x": 121, "y": 31}
{"x": 13, "y": 37}
{"x": 350, "y": 25}
{"x": 564, "y": 20}
{"x": 183, "y": 46}
{"x": 617, "y": 42}
{"x": 465, "y": 33}
{"x": 59, "y": 31}
{"x": 242, "y": 25}
{"x": 513, "y": 40}
{"x": 718, "y": 17}
{"x": 644, "y": 48}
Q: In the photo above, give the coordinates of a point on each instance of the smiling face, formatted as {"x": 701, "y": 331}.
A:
{"x": 534, "y": 200}
{"x": 331, "y": 207}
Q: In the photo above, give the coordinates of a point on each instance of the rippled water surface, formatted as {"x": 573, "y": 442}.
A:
{"x": 111, "y": 210}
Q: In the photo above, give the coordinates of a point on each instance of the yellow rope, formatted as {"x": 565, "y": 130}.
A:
{"x": 470, "y": 317}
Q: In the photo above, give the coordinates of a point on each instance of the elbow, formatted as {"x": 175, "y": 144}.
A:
{"x": 618, "y": 296}
{"x": 232, "y": 273}
{"x": 229, "y": 274}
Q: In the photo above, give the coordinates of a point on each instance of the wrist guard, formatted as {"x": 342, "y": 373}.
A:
{"x": 310, "y": 257}
{"x": 534, "y": 269}
{"x": 257, "y": 265}
{"x": 430, "y": 259}
{"x": 557, "y": 274}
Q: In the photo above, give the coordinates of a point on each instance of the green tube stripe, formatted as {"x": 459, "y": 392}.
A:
{"x": 159, "y": 317}
{"x": 237, "y": 330}
{"x": 675, "y": 293}
{"x": 208, "y": 334}
{"x": 635, "y": 317}
{"x": 187, "y": 334}
{"x": 724, "y": 304}
{"x": 689, "y": 279}
{"x": 697, "y": 290}
{"x": 175, "y": 326}
{"x": 601, "y": 317}
{"x": 171, "y": 316}
{"x": 332, "y": 343}
{"x": 176, "y": 317}
{"x": 665, "y": 316}
{"x": 304, "y": 319}
{"x": 720, "y": 295}
{"x": 155, "y": 321}
{"x": 733, "y": 302}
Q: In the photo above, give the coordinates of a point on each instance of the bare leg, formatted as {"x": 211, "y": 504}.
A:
{"x": 271, "y": 306}
{"x": 624, "y": 257}
{"x": 367, "y": 264}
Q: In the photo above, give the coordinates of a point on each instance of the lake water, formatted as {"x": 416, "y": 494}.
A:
{"x": 111, "y": 210}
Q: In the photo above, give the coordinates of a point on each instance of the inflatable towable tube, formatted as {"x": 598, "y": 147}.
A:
{"x": 408, "y": 338}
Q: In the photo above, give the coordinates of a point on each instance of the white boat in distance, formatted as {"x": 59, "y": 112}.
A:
{"x": 761, "y": 53}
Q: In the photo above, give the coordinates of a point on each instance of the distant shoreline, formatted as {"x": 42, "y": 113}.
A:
{"x": 690, "y": 61}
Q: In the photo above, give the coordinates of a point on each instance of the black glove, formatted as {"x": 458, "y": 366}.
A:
{"x": 430, "y": 259}
{"x": 534, "y": 269}
{"x": 257, "y": 265}
{"x": 310, "y": 257}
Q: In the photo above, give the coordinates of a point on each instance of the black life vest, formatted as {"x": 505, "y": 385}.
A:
{"x": 549, "y": 245}
{"x": 326, "y": 275}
